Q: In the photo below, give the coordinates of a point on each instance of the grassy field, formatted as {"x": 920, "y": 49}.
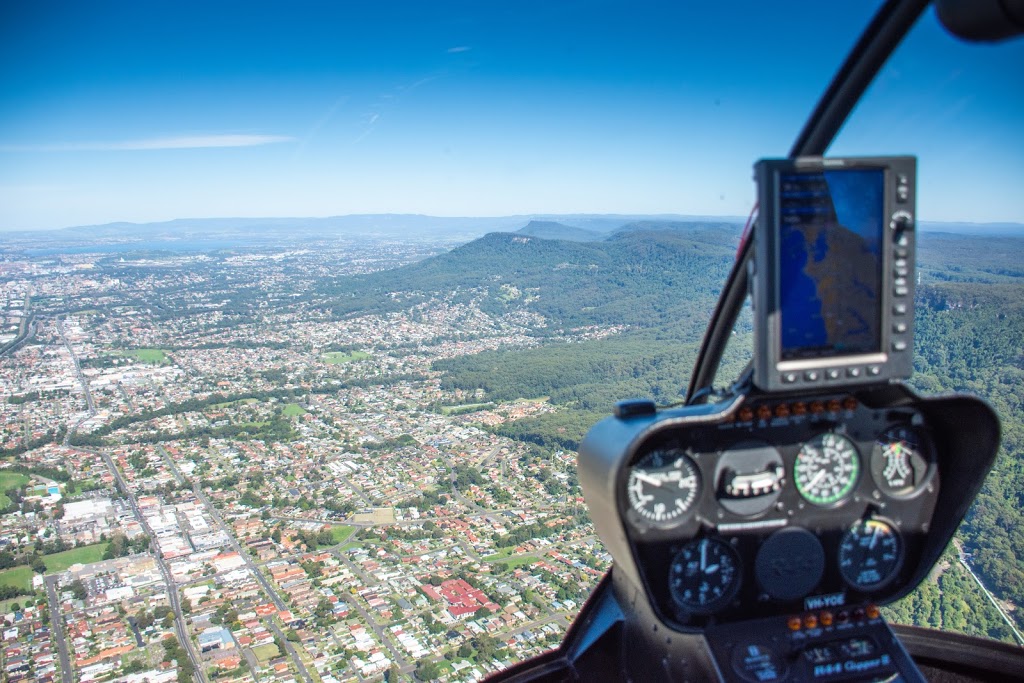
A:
{"x": 254, "y": 426}
{"x": 467, "y": 408}
{"x": 341, "y": 532}
{"x": 265, "y": 653}
{"x": 10, "y": 480}
{"x": 58, "y": 562}
{"x": 157, "y": 356}
{"x": 520, "y": 561}
{"x": 21, "y": 600}
{"x": 19, "y": 577}
{"x": 339, "y": 357}
{"x": 294, "y": 410}
{"x": 228, "y": 404}
{"x": 500, "y": 555}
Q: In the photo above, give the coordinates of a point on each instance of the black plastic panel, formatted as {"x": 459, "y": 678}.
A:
{"x": 779, "y": 567}
{"x": 957, "y": 437}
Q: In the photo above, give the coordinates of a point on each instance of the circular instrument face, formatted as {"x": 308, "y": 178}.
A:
{"x": 663, "y": 486}
{"x": 870, "y": 554}
{"x": 899, "y": 462}
{"x": 826, "y": 469}
{"x": 704, "y": 575}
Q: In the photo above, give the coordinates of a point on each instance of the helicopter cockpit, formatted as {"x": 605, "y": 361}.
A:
{"x": 757, "y": 530}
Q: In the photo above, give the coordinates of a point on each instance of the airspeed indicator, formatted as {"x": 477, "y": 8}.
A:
{"x": 662, "y": 487}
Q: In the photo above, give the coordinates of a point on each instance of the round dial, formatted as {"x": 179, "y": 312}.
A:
{"x": 899, "y": 462}
{"x": 826, "y": 469}
{"x": 663, "y": 486}
{"x": 704, "y": 575}
{"x": 870, "y": 554}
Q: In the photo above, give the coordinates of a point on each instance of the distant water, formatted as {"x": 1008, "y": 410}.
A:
{"x": 153, "y": 245}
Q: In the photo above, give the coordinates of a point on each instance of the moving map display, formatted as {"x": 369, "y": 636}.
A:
{"x": 830, "y": 258}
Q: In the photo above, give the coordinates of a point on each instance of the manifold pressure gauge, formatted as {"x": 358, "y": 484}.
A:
{"x": 662, "y": 487}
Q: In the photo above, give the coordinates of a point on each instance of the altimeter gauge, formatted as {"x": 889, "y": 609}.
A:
{"x": 704, "y": 575}
{"x": 899, "y": 462}
{"x": 826, "y": 469}
{"x": 662, "y": 487}
{"x": 870, "y": 554}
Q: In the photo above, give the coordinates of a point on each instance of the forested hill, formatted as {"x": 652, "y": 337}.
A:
{"x": 646, "y": 280}
{"x": 559, "y": 231}
{"x": 657, "y": 283}
{"x": 970, "y": 337}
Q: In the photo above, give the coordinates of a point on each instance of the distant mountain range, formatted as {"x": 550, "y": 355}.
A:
{"x": 980, "y": 229}
{"x": 719, "y": 229}
{"x": 570, "y": 227}
{"x": 560, "y": 231}
{"x": 361, "y": 225}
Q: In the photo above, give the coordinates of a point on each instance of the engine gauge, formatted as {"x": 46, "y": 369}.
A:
{"x": 899, "y": 462}
{"x": 826, "y": 469}
{"x": 663, "y": 486}
{"x": 870, "y": 554}
{"x": 704, "y": 575}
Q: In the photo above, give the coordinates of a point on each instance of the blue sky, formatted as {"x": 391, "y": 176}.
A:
{"x": 145, "y": 111}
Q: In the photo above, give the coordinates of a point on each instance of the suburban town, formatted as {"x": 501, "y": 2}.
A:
{"x": 208, "y": 475}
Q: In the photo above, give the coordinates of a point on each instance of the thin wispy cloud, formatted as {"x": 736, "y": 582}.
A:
{"x": 366, "y": 131}
{"x": 174, "y": 142}
{"x": 460, "y": 48}
{"x": 321, "y": 122}
{"x": 420, "y": 82}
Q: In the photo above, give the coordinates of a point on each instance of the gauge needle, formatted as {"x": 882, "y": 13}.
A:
{"x": 874, "y": 538}
{"x": 815, "y": 479}
{"x": 703, "y": 555}
{"x": 641, "y": 476}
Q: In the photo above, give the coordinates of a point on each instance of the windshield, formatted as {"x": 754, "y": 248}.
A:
{"x": 145, "y": 114}
{"x": 305, "y": 310}
{"x": 959, "y": 122}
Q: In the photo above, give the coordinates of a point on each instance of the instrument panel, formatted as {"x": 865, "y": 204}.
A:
{"x": 779, "y": 504}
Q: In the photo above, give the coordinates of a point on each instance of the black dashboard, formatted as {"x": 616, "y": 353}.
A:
{"x": 780, "y": 505}
{"x": 757, "y": 538}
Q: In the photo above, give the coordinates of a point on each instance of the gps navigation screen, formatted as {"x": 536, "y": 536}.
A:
{"x": 830, "y": 263}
